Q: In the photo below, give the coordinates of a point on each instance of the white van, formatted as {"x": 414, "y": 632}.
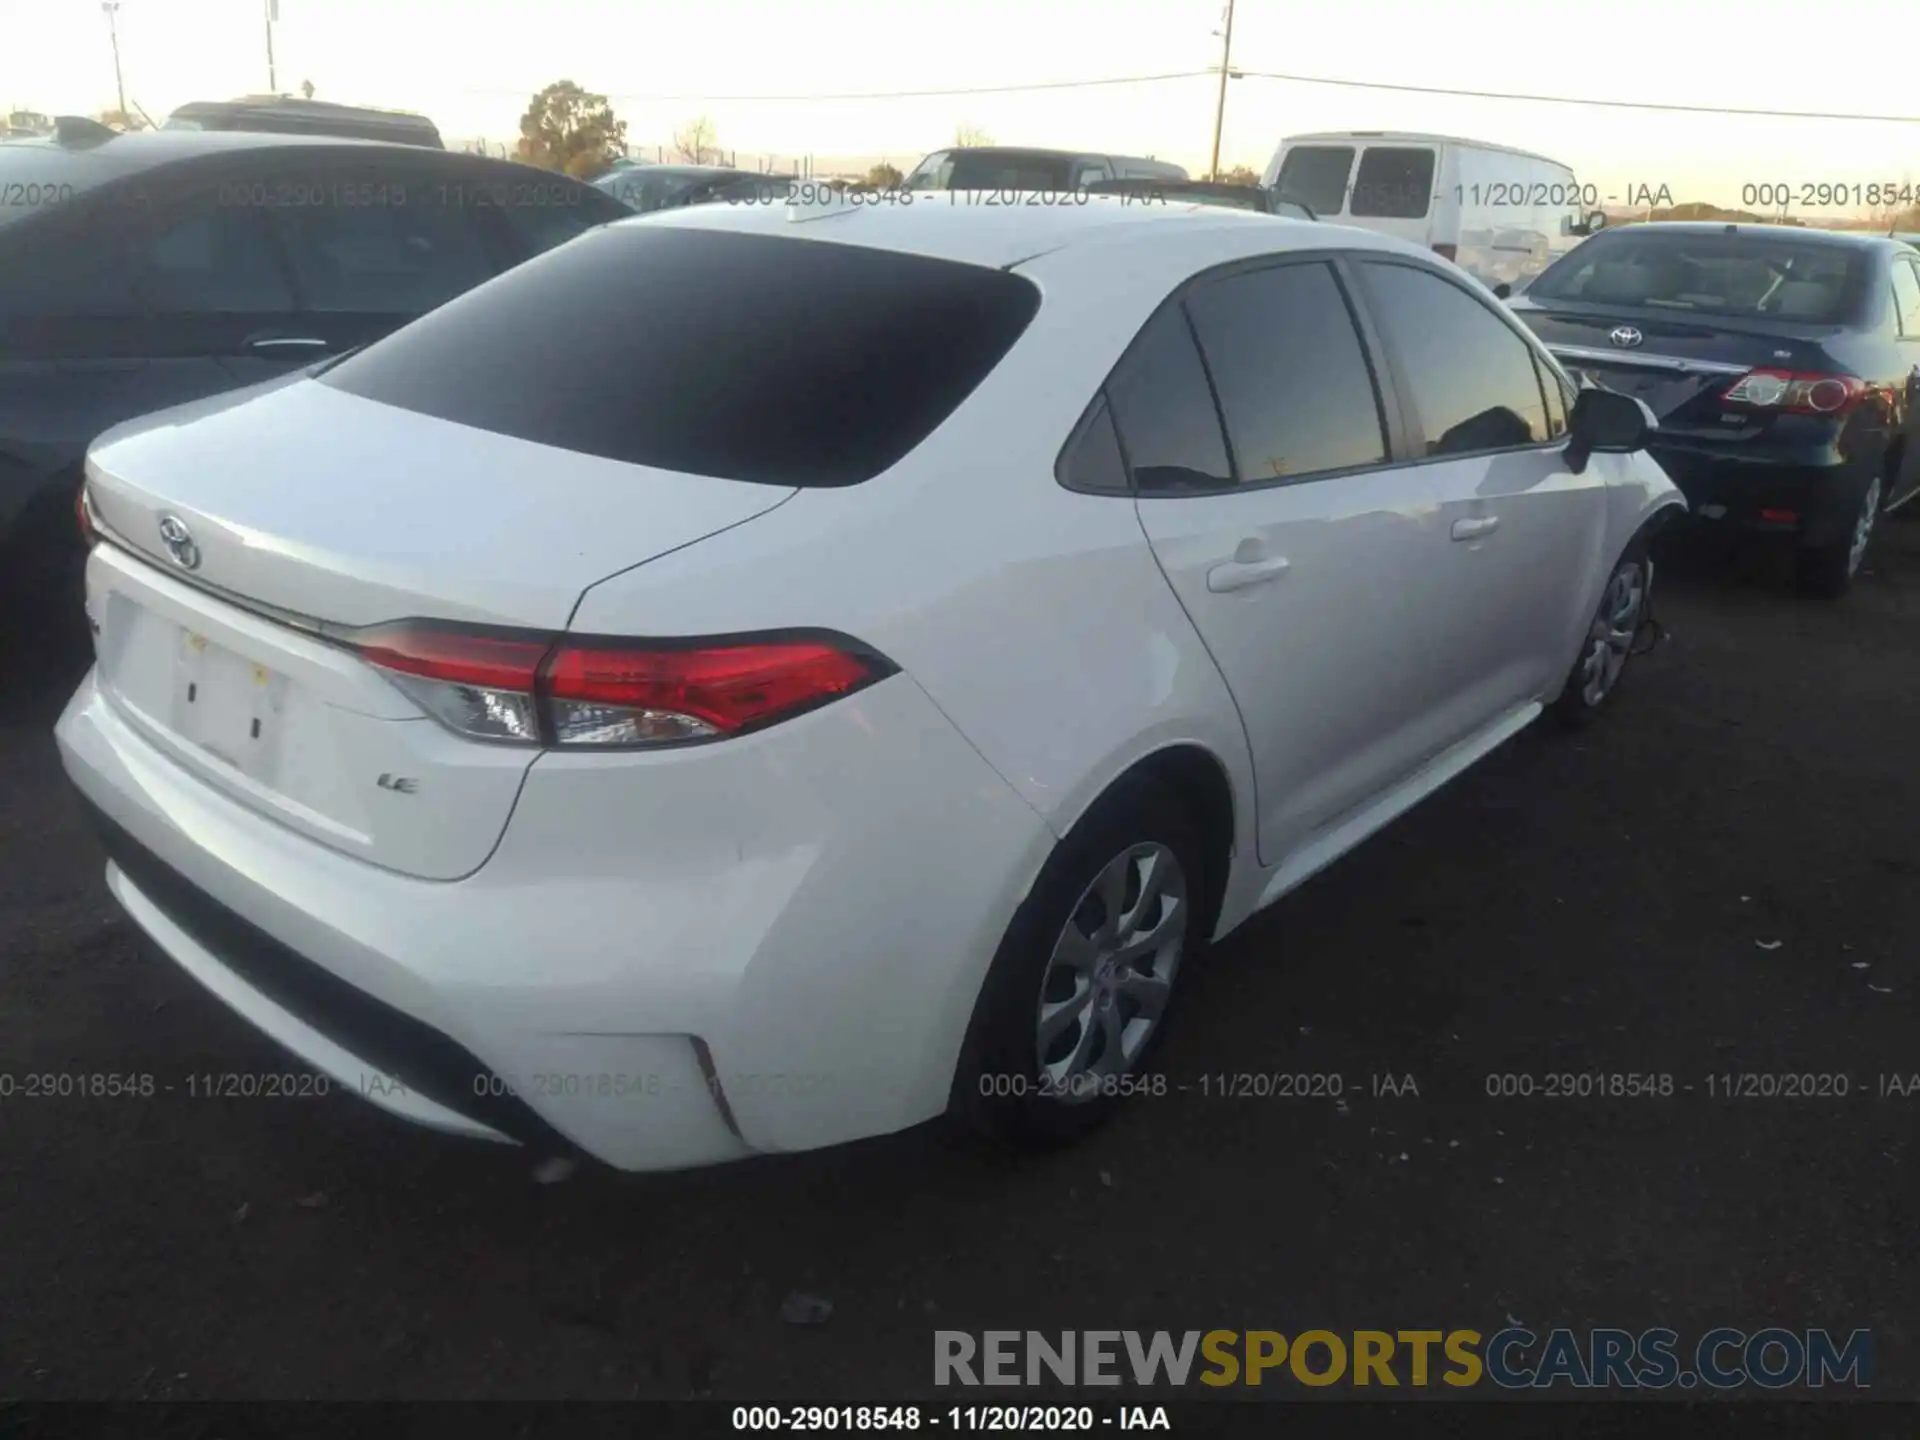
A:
{"x": 1501, "y": 214}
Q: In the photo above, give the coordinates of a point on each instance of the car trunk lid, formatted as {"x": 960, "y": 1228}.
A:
{"x": 1680, "y": 365}
{"x": 246, "y": 548}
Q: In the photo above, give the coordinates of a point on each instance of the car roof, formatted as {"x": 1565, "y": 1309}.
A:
{"x": 939, "y": 225}
{"x": 143, "y": 149}
{"x": 291, "y": 105}
{"x": 1412, "y": 137}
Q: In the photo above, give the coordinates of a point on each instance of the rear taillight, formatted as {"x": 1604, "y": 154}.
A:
{"x": 569, "y": 691}
{"x": 1793, "y": 392}
{"x": 1446, "y": 252}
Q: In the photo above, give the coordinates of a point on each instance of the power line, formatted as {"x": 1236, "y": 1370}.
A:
{"x": 1567, "y": 100}
{"x": 880, "y": 94}
{"x": 1237, "y": 73}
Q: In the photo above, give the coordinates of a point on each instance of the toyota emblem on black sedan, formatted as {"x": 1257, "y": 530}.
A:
{"x": 1626, "y": 337}
{"x": 179, "y": 542}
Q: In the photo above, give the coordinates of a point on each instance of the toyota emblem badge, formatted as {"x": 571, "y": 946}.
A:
{"x": 1626, "y": 337}
{"x": 179, "y": 542}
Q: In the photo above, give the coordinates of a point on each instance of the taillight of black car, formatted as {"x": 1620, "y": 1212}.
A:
{"x": 1790, "y": 392}
{"x": 520, "y": 688}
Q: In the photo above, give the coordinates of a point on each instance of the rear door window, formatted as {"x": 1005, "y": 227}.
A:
{"x": 1317, "y": 176}
{"x": 1287, "y": 363}
{"x": 750, "y": 357}
{"x": 215, "y": 258}
{"x": 387, "y": 242}
{"x": 553, "y": 212}
{"x": 68, "y": 269}
{"x": 1393, "y": 183}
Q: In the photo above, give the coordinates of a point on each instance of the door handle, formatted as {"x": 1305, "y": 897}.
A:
{"x": 1239, "y": 574}
{"x": 287, "y": 342}
{"x": 1475, "y": 528}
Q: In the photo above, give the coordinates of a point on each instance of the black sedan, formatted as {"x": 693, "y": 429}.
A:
{"x": 146, "y": 270}
{"x": 1783, "y": 366}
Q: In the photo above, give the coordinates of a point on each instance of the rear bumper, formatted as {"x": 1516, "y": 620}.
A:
{"x": 1757, "y": 496}
{"x": 662, "y": 966}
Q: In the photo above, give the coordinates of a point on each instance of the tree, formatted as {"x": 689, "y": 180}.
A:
{"x": 884, "y": 177}
{"x": 120, "y": 120}
{"x": 696, "y": 142}
{"x": 967, "y": 136}
{"x": 1238, "y": 175}
{"x": 565, "y": 128}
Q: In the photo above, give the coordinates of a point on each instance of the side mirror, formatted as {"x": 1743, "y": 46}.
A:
{"x": 1591, "y": 223}
{"x": 1605, "y": 422}
{"x": 1596, "y": 221}
{"x": 1502, "y": 290}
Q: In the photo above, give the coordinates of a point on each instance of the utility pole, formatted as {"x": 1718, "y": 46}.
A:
{"x": 273, "y": 14}
{"x": 1220, "y": 109}
{"x": 113, "y": 33}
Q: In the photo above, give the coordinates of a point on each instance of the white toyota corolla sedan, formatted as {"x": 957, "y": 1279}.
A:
{"x": 758, "y": 677}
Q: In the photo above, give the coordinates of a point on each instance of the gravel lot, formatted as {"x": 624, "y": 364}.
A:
{"x": 1720, "y": 878}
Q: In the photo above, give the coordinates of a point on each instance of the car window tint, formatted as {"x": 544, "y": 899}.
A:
{"x": 1010, "y": 170}
{"x": 1712, "y": 273}
{"x": 60, "y": 270}
{"x": 401, "y": 246}
{"x": 754, "y": 357}
{"x": 1906, "y": 298}
{"x": 213, "y": 258}
{"x": 1092, "y": 461}
{"x": 1292, "y": 377}
{"x": 555, "y": 213}
{"x": 1164, "y": 411}
{"x": 1393, "y": 183}
{"x": 1317, "y": 175}
{"x": 1472, "y": 379}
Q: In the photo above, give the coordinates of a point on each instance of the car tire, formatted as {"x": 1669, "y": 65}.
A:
{"x": 1828, "y": 571}
{"x": 1608, "y": 644}
{"x": 1009, "y": 1087}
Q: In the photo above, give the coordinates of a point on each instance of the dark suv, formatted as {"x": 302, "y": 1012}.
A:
{"x": 1783, "y": 366}
{"x": 140, "y": 271}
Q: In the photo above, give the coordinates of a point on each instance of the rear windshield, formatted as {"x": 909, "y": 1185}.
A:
{"x": 36, "y": 177}
{"x": 764, "y": 358}
{"x": 1712, "y": 274}
{"x": 1317, "y": 174}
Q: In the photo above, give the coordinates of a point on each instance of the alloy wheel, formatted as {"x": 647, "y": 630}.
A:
{"x": 1111, "y": 973}
{"x": 1610, "y": 640}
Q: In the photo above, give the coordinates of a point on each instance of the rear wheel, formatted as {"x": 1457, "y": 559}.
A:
{"x": 1829, "y": 570}
{"x": 1079, "y": 996}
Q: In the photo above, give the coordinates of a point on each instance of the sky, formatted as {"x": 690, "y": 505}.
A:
{"x": 472, "y": 69}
